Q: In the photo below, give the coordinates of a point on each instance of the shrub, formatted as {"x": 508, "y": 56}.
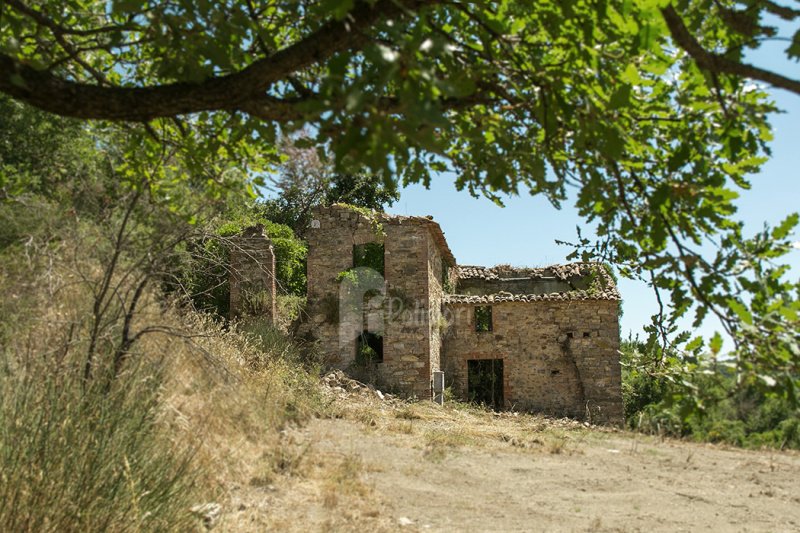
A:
{"x": 204, "y": 272}
{"x": 290, "y": 252}
{"x": 658, "y": 420}
{"x": 728, "y": 431}
{"x": 790, "y": 433}
{"x": 290, "y": 309}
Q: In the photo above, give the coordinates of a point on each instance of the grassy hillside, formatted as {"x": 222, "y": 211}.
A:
{"x": 195, "y": 405}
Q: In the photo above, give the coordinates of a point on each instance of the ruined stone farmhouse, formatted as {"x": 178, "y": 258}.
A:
{"x": 387, "y": 297}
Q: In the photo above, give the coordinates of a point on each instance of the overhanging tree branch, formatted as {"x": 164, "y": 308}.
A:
{"x": 293, "y": 109}
{"x": 717, "y": 63}
{"x": 78, "y": 99}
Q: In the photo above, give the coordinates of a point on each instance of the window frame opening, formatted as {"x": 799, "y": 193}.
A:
{"x": 370, "y": 255}
{"x": 369, "y": 348}
{"x": 483, "y": 319}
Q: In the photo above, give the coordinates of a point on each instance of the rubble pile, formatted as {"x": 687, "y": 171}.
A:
{"x": 338, "y": 383}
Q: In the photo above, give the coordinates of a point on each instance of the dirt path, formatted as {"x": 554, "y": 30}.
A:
{"x": 607, "y": 485}
{"x": 419, "y": 470}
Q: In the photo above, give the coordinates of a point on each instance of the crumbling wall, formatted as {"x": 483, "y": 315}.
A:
{"x": 437, "y": 323}
{"x": 252, "y": 275}
{"x": 331, "y": 238}
{"x": 560, "y": 357}
{"x": 404, "y": 299}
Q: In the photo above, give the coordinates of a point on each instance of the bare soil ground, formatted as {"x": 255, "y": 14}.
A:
{"x": 389, "y": 465}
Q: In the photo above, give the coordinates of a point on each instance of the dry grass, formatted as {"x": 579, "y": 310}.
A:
{"x": 78, "y": 453}
{"x": 197, "y": 412}
{"x": 236, "y": 403}
{"x": 442, "y": 430}
{"x": 344, "y": 482}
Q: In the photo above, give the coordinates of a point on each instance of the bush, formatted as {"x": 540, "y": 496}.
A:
{"x": 204, "y": 273}
{"x": 656, "y": 419}
{"x": 790, "y": 433}
{"x": 660, "y": 396}
{"x": 290, "y": 252}
{"x": 728, "y": 431}
{"x": 290, "y": 309}
{"x": 642, "y": 385}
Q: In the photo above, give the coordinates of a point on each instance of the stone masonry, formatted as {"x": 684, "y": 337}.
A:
{"x": 252, "y": 275}
{"x": 406, "y": 306}
{"x": 554, "y": 331}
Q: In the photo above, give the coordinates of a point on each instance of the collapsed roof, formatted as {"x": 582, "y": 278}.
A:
{"x": 504, "y": 283}
{"x": 385, "y": 218}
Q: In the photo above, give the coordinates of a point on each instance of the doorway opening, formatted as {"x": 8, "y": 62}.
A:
{"x": 485, "y": 382}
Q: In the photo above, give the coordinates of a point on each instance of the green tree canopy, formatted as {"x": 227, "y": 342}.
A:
{"x": 643, "y": 107}
{"x": 305, "y": 181}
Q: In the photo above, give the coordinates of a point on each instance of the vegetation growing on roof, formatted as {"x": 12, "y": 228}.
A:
{"x": 598, "y": 279}
{"x": 372, "y": 216}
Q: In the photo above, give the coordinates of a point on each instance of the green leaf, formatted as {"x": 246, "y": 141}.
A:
{"x": 741, "y": 311}
{"x": 17, "y": 80}
{"x": 784, "y": 228}
{"x": 794, "y": 49}
{"x": 695, "y": 344}
{"x": 339, "y": 8}
{"x": 715, "y": 344}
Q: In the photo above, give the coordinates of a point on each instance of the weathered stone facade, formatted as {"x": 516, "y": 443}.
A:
{"x": 554, "y": 331}
{"x": 407, "y": 303}
{"x": 252, "y": 275}
{"x": 559, "y": 357}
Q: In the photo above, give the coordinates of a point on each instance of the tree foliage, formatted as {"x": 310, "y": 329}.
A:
{"x": 642, "y": 107}
{"x": 204, "y": 273}
{"x": 742, "y": 414}
{"x": 306, "y": 181}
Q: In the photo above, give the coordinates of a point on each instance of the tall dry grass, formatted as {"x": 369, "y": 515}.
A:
{"x": 189, "y": 415}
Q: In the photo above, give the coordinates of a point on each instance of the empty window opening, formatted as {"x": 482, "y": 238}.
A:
{"x": 570, "y": 335}
{"x": 555, "y": 372}
{"x": 369, "y": 348}
{"x": 485, "y": 382}
{"x": 587, "y": 334}
{"x": 369, "y": 255}
{"x": 483, "y": 318}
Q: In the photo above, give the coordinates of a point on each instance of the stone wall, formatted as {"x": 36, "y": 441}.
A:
{"x": 477, "y": 286}
{"x": 560, "y": 351}
{"x": 405, "y": 298}
{"x": 252, "y": 275}
{"x": 560, "y": 357}
{"x": 435, "y": 297}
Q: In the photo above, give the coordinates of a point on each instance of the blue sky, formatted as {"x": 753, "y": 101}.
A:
{"x": 524, "y": 232}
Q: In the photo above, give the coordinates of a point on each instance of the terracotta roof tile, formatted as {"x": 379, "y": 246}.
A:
{"x": 611, "y": 294}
